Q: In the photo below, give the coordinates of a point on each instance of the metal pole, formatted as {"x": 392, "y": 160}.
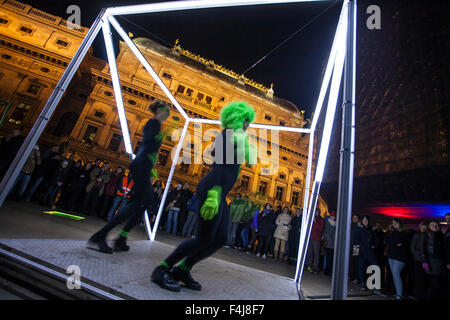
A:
{"x": 344, "y": 207}
{"x": 169, "y": 179}
{"x": 46, "y": 113}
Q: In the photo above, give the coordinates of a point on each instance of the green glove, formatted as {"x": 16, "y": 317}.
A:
{"x": 153, "y": 157}
{"x": 154, "y": 173}
{"x": 210, "y": 207}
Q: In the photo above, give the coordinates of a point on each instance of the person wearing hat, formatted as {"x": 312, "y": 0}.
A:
{"x": 26, "y": 173}
{"x": 329, "y": 234}
{"x": 142, "y": 169}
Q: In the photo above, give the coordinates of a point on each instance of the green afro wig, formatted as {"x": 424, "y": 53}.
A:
{"x": 235, "y": 114}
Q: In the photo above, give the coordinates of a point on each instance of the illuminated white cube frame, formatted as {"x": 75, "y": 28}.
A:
{"x": 331, "y": 82}
{"x": 333, "y": 73}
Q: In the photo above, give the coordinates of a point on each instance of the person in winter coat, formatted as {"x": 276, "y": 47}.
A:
{"x": 433, "y": 259}
{"x": 329, "y": 234}
{"x": 253, "y": 229}
{"x": 236, "y": 211}
{"x": 174, "y": 209}
{"x": 111, "y": 187}
{"x": 58, "y": 179}
{"x": 74, "y": 169}
{"x": 397, "y": 253}
{"x": 246, "y": 222}
{"x": 123, "y": 193}
{"x": 186, "y": 194}
{"x": 191, "y": 220}
{"x": 418, "y": 252}
{"x": 294, "y": 235}
{"x": 99, "y": 179}
{"x": 313, "y": 254}
{"x": 26, "y": 173}
{"x": 353, "y": 263}
{"x": 266, "y": 223}
{"x": 365, "y": 240}
{"x": 9, "y": 150}
{"x": 281, "y": 234}
{"x": 79, "y": 184}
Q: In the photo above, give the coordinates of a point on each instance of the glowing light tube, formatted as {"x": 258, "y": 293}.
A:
{"x": 191, "y": 5}
{"x": 147, "y": 65}
{"x": 339, "y": 45}
{"x": 332, "y": 103}
{"x": 328, "y": 71}
{"x": 169, "y": 179}
{"x": 116, "y": 86}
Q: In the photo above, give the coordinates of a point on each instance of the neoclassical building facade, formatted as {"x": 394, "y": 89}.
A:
{"x": 35, "y": 48}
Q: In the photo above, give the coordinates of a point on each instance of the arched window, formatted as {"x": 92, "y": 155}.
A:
{"x": 66, "y": 124}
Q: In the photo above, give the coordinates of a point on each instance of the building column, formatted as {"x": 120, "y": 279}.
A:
{"x": 76, "y": 132}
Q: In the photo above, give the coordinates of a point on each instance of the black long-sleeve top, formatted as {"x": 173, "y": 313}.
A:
{"x": 152, "y": 138}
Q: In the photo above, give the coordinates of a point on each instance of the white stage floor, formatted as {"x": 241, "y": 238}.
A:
{"x": 128, "y": 273}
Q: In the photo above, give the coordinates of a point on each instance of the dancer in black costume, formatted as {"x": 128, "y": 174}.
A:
{"x": 142, "y": 194}
{"x": 212, "y": 191}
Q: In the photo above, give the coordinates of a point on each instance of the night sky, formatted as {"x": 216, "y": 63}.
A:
{"x": 236, "y": 38}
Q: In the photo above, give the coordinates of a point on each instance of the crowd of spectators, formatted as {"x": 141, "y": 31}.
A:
{"x": 413, "y": 262}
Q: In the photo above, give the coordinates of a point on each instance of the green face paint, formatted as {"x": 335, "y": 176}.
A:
{"x": 65, "y": 215}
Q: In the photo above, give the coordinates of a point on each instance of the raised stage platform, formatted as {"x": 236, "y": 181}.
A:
{"x": 127, "y": 274}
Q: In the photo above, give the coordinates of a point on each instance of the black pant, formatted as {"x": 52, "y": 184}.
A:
{"x": 420, "y": 281}
{"x": 142, "y": 196}
{"x": 434, "y": 287}
{"x": 263, "y": 244}
{"x": 90, "y": 203}
{"x": 106, "y": 205}
{"x": 212, "y": 234}
{"x": 329, "y": 254}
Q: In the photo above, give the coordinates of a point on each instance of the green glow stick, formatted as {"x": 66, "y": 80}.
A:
{"x": 66, "y": 215}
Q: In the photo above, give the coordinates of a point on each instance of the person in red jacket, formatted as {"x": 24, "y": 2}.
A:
{"x": 313, "y": 256}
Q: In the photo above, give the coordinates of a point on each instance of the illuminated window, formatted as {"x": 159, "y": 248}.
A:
{"x": 45, "y": 70}
{"x": 279, "y": 193}
{"x": 89, "y": 134}
{"x": 3, "y": 21}
{"x": 184, "y": 167}
{"x": 267, "y": 117}
{"x": 115, "y": 142}
{"x": 33, "y": 89}
{"x": 245, "y": 181}
{"x": 167, "y": 76}
{"x": 26, "y": 30}
{"x": 132, "y": 102}
{"x": 282, "y": 123}
{"x": 295, "y": 198}
{"x": 262, "y": 188}
{"x": 163, "y": 156}
{"x": 282, "y": 176}
{"x": 19, "y": 113}
{"x": 208, "y": 100}
{"x": 200, "y": 96}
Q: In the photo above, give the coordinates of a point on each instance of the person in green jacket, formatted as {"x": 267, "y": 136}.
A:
{"x": 236, "y": 211}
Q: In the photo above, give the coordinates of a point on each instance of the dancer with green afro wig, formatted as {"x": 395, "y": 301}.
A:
{"x": 213, "y": 210}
